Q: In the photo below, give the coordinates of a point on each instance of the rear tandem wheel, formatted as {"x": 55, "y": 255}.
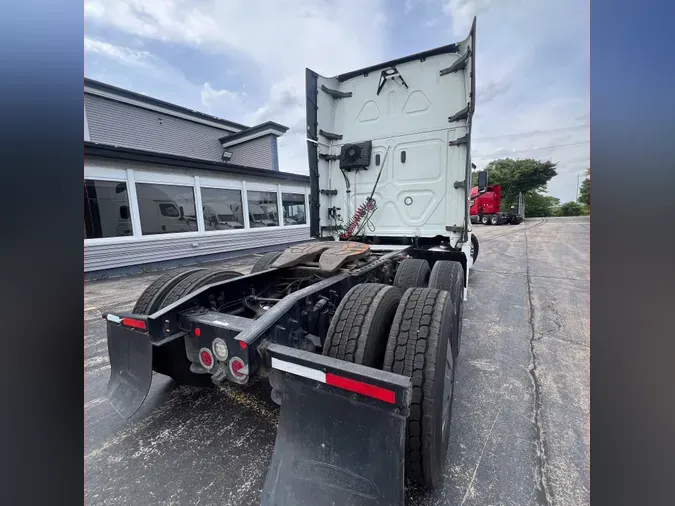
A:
{"x": 418, "y": 348}
{"x": 449, "y": 276}
{"x": 359, "y": 329}
{"x": 152, "y": 296}
{"x": 412, "y": 273}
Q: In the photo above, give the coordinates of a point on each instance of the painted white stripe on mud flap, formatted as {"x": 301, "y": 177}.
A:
{"x": 113, "y": 318}
{"x": 299, "y": 370}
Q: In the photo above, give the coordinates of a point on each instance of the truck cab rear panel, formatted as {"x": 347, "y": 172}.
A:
{"x": 414, "y": 117}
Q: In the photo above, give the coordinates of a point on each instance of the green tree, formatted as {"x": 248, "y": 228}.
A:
{"x": 538, "y": 205}
{"x": 585, "y": 190}
{"x": 517, "y": 176}
{"x": 571, "y": 209}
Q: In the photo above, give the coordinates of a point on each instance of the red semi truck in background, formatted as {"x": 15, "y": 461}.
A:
{"x": 485, "y": 208}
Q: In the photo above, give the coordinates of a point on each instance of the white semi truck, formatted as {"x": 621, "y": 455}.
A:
{"x": 358, "y": 330}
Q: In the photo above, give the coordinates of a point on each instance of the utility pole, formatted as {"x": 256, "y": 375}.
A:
{"x": 577, "y": 197}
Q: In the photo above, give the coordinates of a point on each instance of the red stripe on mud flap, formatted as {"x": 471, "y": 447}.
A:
{"x": 359, "y": 387}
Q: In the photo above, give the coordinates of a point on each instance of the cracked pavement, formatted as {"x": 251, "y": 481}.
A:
{"x": 520, "y": 425}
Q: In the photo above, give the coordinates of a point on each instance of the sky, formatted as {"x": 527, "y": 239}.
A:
{"x": 245, "y": 61}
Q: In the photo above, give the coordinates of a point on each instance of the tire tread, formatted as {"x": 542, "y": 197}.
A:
{"x": 449, "y": 275}
{"x": 412, "y": 273}
{"x": 413, "y": 351}
{"x": 359, "y": 328}
{"x": 152, "y": 296}
{"x": 196, "y": 280}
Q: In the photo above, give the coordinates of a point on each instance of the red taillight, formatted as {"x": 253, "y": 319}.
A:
{"x": 361, "y": 388}
{"x": 243, "y": 345}
{"x": 238, "y": 368}
{"x": 197, "y": 332}
{"x": 205, "y": 358}
{"x": 136, "y": 324}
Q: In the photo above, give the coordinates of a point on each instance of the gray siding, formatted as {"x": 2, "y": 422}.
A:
{"x": 275, "y": 154}
{"x": 255, "y": 153}
{"x": 86, "y": 126}
{"x": 109, "y": 256}
{"x": 120, "y": 124}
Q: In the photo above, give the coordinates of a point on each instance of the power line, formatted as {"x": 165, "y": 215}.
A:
{"x": 532, "y": 133}
{"x": 555, "y": 146}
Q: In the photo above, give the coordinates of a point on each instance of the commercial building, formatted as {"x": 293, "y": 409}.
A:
{"x": 165, "y": 185}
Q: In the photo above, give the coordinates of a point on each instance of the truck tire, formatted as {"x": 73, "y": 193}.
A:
{"x": 359, "y": 329}
{"x": 152, "y": 296}
{"x": 484, "y": 220}
{"x": 449, "y": 276}
{"x": 418, "y": 348}
{"x": 197, "y": 280}
{"x": 263, "y": 263}
{"x": 474, "y": 247}
{"x": 494, "y": 220}
{"x": 171, "y": 359}
{"x": 412, "y": 273}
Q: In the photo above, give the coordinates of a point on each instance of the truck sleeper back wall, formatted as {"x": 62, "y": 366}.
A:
{"x": 417, "y": 112}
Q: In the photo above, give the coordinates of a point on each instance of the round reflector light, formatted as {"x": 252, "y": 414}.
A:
{"x": 238, "y": 368}
{"x": 220, "y": 349}
{"x": 205, "y": 358}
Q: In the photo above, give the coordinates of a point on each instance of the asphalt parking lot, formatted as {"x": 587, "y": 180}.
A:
{"x": 520, "y": 425}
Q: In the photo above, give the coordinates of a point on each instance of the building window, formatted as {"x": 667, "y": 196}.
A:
{"x": 294, "y": 208}
{"x": 262, "y": 209}
{"x": 106, "y": 209}
{"x": 166, "y": 209}
{"x": 223, "y": 209}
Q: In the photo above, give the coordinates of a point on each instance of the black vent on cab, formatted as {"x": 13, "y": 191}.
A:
{"x": 355, "y": 156}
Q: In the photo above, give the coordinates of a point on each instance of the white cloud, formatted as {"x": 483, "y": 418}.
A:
{"x": 282, "y": 37}
{"x": 463, "y": 12}
{"x": 524, "y": 48}
{"x": 127, "y": 56}
{"x": 212, "y": 97}
{"x": 279, "y": 35}
{"x": 409, "y": 5}
{"x": 286, "y": 105}
{"x": 490, "y": 90}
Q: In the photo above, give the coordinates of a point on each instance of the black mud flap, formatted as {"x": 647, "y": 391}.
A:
{"x": 335, "y": 446}
{"x": 130, "y": 354}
